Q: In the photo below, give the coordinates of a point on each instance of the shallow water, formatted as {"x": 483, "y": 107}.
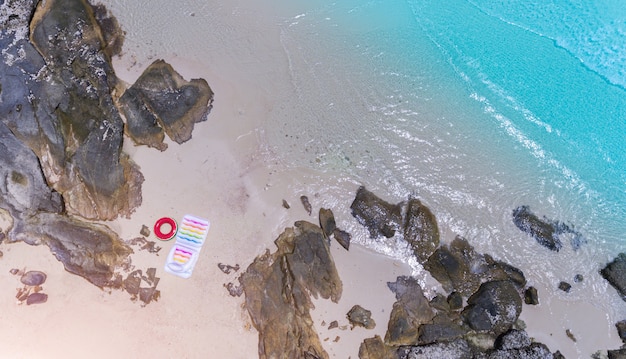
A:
{"x": 476, "y": 107}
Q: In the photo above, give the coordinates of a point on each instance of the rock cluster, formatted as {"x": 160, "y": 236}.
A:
{"x": 278, "y": 287}
{"x": 445, "y": 327}
{"x": 61, "y": 131}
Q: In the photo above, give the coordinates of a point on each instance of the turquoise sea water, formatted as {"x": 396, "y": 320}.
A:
{"x": 495, "y": 103}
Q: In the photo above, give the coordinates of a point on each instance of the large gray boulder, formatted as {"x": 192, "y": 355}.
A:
{"x": 494, "y": 308}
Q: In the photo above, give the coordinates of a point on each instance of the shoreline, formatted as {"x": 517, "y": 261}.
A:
{"x": 244, "y": 191}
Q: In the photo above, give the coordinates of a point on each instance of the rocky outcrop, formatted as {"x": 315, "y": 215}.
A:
{"x": 615, "y": 273}
{"x": 162, "y": 102}
{"x": 381, "y": 218}
{"x": 413, "y": 220}
{"x": 458, "y": 267}
{"x": 494, "y": 308}
{"x": 409, "y": 312}
{"x": 545, "y": 231}
{"x": 278, "y": 286}
{"x": 420, "y": 229}
{"x": 56, "y": 98}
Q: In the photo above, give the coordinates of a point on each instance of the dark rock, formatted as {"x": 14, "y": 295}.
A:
{"x": 494, "y": 307}
{"x": 440, "y": 332}
{"x": 530, "y": 296}
{"x": 621, "y": 329}
{"x": 227, "y": 268}
{"x": 234, "y": 290}
{"x": 458, "y": 349}
{"x": 617, "y": 354}
{"x": 88, "y": 250}
{"x": 333, "y": 324}
{"x": 564, "y": 286}
{"x": 36, "y": 298}
{"x": 81, "y": 132}
{"x": 381, "y": 218}
{"x": 578, "y": 278}
{"x": 286, "y": 204}
{"x": 455, "y": 301}
{"x": 513, "y": 339}
{"x": 615, "y": 273}
{"x": 306, "y": 204}
{"x": 277, "y": 288}
{"x": 359, "y": 316}
{"x": 374, "y": 348}
{"x": 570, "y": 335}
{"x": 145, "y": 231}
{"x": 327, "y": 221}
{"x": 458, "y": 267}
{"x": 440, "y": 303}
{"x": 33, "y": 278}
{"x": 546, "y": 232}
{"x": 162, "y": 102}
{"x": 420, "y": 230}
{"x": 411, "y": 310}
{"x": 558, "y": 355}
{"x": 533, "y": 351}
{"x": 343, "y": 238}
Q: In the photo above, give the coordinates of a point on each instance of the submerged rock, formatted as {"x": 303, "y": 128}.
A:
{"x": 162, "y": 102}
{"x": 378, "y": 216}
{"x": 530, "y": 296}
{"x": 277, "y": 288}
{"x": 615, "y": 273}
{"x": 546, "y": 232}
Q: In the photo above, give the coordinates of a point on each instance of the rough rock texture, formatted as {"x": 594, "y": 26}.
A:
{"x": 546, "y": 232}
{"x": 88, "y": 250}
{"x": 530, "y": 296}
{"x": 420, "y": 230}
{"x": 517, "y": 344}
{"x": 359, "y": 316}
{"x": 621, "y": 330}
{"x": 458, "y": 349}
{"x": 615, "y": 273}
{"x": 327, "y": 221}
{"x": 162, "y": 102}
{"x": 494, "y": 307}
{"x": 56, "y": 98}
{"x": 378, "y": 216}
{"x": 617, "y": 354}
{"x": 374, "y": 348}
{"x": 458, "y": 267}
{"x": 409, "y": 312}
{"x": 278, "y": 286}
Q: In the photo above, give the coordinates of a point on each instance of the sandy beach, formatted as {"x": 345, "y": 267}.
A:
{"x": 230, "y": 175}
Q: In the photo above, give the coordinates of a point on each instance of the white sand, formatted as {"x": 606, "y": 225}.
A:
{"x": 227, "y": 174}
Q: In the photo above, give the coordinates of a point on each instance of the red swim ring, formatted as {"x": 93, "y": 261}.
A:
{"x": 165, "y": 236}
